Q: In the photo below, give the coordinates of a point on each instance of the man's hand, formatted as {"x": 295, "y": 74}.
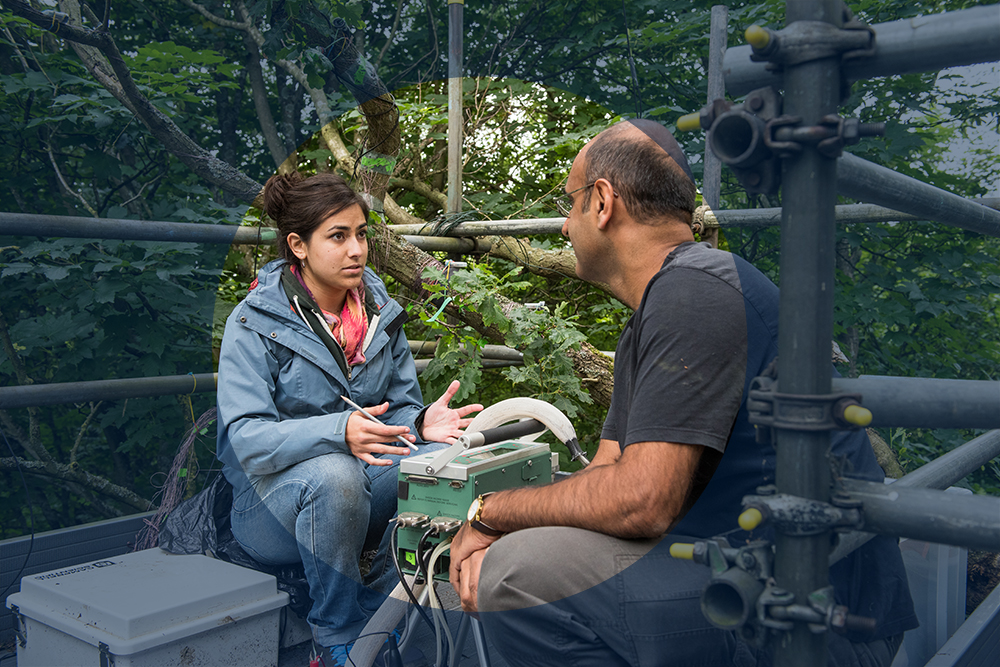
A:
{"x": 468, "y": 549}
{"x": 443, "y": 424}
{"x": 365, "y": 438}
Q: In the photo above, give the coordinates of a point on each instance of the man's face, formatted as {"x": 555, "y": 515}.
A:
{"x": 578, "y": 227}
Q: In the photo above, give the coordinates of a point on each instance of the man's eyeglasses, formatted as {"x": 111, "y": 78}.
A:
{"x": 564, "y": 203}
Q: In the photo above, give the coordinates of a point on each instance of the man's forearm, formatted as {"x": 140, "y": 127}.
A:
{"x": 638, "y": 495}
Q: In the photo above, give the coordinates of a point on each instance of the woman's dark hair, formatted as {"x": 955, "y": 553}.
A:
{"x": 299, "y": 204}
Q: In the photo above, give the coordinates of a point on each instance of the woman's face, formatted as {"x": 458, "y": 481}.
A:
{"x": 333, "y": 259}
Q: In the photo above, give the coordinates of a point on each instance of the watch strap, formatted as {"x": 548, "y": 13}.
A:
{"x": 484, "y": 529}
{"x": 475, "y": 521}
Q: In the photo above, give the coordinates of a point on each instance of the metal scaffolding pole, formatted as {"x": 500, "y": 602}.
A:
{"x": 37, "y": 395}
{"x": 711, "y": 182}
{"x": 455, "y": 16}
{"x": 920, "y": 44}
{"x": 865, "y": 181}
{"x": 927, "y": 514}
{"x": 24, "y": 224}
{"x": 946, "y": 470}
{"x": 422, "y": 364}
{"x": 523, "y": 227}
{"x": 75, "y": 227}
{"x": 56, "y": 393}
{"x": 938, "y": 474}
{"x": 926, "y": 402}
{"x": 805, "y": 324}
{"x": 492, "y": 352}
{"x": 845, "y": 214}
{"x": 446, "y": 244}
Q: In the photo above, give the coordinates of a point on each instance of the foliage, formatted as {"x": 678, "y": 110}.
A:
{"x": 913, "y": 298}
{"x": 82, "y": 310}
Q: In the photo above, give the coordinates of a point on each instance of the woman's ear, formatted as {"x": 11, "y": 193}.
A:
{"x": 296, "y": 245}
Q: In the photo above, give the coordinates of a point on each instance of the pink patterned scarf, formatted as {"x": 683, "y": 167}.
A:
{"x": 351, "y": 327}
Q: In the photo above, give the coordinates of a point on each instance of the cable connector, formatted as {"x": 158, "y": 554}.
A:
{"x": 412, "y": 520}
{"x": 445, "y": 525}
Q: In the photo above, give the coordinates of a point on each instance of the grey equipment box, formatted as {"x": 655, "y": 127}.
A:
{"x": 148, "y": 609}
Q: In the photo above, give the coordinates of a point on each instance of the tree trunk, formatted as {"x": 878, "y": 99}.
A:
{"x": 553, "y": 264}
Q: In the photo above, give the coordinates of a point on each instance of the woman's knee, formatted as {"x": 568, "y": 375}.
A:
{"x": 334, "y": 478}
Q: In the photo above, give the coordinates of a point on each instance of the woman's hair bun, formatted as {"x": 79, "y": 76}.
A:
{"x": 276, "y": 193}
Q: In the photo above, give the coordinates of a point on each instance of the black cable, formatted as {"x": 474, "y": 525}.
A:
{"x": 31, "y": 517}
{"x": 394, "y": 546}
{"x": 421, "y": 562}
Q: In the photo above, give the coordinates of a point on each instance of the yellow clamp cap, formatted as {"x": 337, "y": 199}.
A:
{"x": 750, "y": 519}
{"x": 682, "y": 550}
{"x": 857, "y": 415}
{"x": 689, "y": 122}
{"x": 757, "y": 37}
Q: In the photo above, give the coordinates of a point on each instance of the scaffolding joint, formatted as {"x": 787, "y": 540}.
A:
{"x": 742, "y": 596}
{"x": 800, "y": 517}
{"x": 770, "y": 409}
{"x": 807, "y": 41}
{"x": 785, "y": 137}
{"x": 736, "y": 134}
{"x": 821, "y": 614}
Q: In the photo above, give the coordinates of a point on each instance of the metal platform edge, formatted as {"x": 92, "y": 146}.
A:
{"x": 976, "y": 643}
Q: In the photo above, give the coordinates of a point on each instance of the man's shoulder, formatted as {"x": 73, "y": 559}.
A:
{"x": 701, "y": 264}
{"x": 694, "y": 268}
{"x": 689, "y": 259}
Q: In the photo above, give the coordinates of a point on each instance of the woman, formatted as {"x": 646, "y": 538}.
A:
{"x": 314, "y": 480}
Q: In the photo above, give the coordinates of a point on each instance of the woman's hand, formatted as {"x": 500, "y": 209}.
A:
{"x": 444, "y": 424}
{"x": 365, "y": 437}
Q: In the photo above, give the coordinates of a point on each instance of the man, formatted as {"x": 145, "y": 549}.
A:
{"x": 577, "y": 573}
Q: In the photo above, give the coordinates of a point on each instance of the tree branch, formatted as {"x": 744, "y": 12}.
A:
{"x": 200, "y": 161}
{"x": 34, "y": 449}
{"x": 225, "y": 23}
{"x": 65, "y": 186}
{"x": 547, "y": 263}
{"x": 392, "y": 34}
{"x": 65, "y": 473}
{"x": 258, "y": 89}
{"x": 421, "y": 188}
{"x": 83, "y": 429}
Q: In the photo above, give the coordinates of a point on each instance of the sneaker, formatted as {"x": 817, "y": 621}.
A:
{"x": 336, "y": 655}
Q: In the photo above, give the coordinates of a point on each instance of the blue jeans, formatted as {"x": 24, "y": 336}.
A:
{"x": 325, "y": 512}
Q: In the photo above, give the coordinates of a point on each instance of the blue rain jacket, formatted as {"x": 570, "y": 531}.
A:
{"x": 279, "y": 385}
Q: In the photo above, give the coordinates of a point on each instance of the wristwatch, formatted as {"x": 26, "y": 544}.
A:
{"x": 475, "y": 512}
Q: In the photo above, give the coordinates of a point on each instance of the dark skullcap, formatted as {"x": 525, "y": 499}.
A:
{"x": 662, "y": 137}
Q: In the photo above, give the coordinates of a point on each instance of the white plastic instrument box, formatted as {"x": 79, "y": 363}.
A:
{"x": 148, "y": 609}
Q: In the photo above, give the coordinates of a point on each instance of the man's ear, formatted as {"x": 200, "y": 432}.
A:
{"x": 604, "y": 200}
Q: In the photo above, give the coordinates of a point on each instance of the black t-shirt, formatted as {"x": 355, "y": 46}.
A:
{"x": 706, "y": 326}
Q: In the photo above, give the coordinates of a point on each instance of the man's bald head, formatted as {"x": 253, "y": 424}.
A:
{"x": 646, "y": 167}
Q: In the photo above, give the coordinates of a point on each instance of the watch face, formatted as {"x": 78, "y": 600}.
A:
{"x": 473, "y": 508}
